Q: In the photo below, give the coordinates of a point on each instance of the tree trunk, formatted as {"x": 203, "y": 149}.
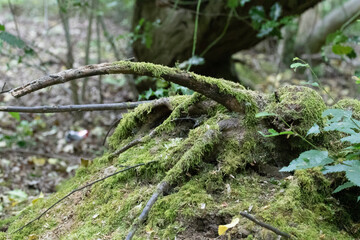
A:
{"x": 175, "y": 29}
{"x": 313, "y": 32}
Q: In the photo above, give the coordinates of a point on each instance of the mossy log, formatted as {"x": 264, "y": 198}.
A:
{"x": 207, "y": 149}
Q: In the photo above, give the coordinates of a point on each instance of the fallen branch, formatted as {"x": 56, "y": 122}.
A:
{"x": 73, "y": 108}
{"x": 265, "y": 225}
{"x": 35, "y": 153}
{"x": 221, "y": 91}
{"x": 79, "y": 189}
{"x": 160, "y": 189}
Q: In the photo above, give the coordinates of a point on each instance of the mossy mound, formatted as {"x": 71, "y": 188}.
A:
{"x": 210, "y": 158}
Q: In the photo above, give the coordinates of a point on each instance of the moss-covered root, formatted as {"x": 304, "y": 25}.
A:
{"x": 207, "y": 136}
{"x": 160, "y": 189}
{"x": 133, "y": 120}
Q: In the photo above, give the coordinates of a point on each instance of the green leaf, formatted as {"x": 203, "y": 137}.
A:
{"x": 358, "y": 199}
{"x": 2, "y": 27}
{"x": 297, "y": 65}
{"x": 275, "y": 11}
{"x": 18, "y": 195}
{"x": 264, "y": 114}
{"x": 353, "y": 139}
{"x": 15, "y": 115}
{"x": 341, "y": 49}
{"x": 313, "y": 84}
{"x": 315, "y": 129}
{"x": 274, "y": 133}
{"x": 12, "y": 40}
{"x": 308, "y": 159}
{"x": 352, "y": 54}
{"x": 257, "y": 15}
{"x": 343, "y": 186}
{"x": 336, "y": 38}
{"x": 242, "y": 2}
{"x": 336, "y": 115}
{"x": 353, "y": 172}
{"x": 232, "y": 3}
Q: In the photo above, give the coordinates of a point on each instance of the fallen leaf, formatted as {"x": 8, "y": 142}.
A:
{"x": 41, "y": 196}
{"x": 223, "y": 228}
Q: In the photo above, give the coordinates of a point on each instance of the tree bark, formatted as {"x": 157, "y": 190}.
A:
{"x": 312, "y": 34}
{"x": 176, "y": 29}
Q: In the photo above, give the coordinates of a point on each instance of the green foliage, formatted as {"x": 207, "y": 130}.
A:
{"x": 143, "y": 32}
{"x": 23, "y": 134}
{"x": 341, "y": 121}
{"x": 268, "y": 24}
{"x": 339, "y": 44}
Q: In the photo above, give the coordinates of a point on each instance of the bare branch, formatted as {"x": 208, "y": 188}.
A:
{"x": 265, "y": 225}
{"x": 209, "y": 87}
{"x": 73, "y": 108}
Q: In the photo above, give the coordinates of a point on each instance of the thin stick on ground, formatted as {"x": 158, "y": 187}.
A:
{"x": 160, "y": 189}
{"x": 79, "y": 189}
{"x": 74, "y": 108}
{"x": 265, "y": 225}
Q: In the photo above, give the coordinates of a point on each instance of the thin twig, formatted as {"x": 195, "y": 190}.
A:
{"x": 131, "y": 144}
{"x": 32, "y": 153}
{"x": 74, "y": 108}
{"x": 79, "y": 189}
{"x": 160, "y": 189}
{"x": 265, "y": 225}
{"x": 116, "y": 122}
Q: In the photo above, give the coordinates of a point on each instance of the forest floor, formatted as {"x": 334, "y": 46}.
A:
{"x": 34, "y": 155}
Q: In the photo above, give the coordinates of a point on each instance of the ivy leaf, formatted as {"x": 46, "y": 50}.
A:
{"x": 296, "y": 65}
{"x": 275, "y": 11}
{"x": 308, "y": 159}
{"x": 341, "y": 49}
{"x": 343, "y": 186}
{"x": 315, "y": 129}
{"x": 264, "y": 114}
{"x": 2, "y": 27}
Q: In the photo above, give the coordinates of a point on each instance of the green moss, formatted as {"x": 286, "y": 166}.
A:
{"x": 204, "y": 137}
{"x": 300, "y": 107}
{"x": 349, "y": 104}
{"x": 129, "y": 122}
{"x": 305, "y": 209}
{"x": 181, "y": 105}
{"x": 236, "y": 155}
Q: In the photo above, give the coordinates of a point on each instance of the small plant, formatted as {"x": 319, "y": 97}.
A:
{"x": 336, "y": 120}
